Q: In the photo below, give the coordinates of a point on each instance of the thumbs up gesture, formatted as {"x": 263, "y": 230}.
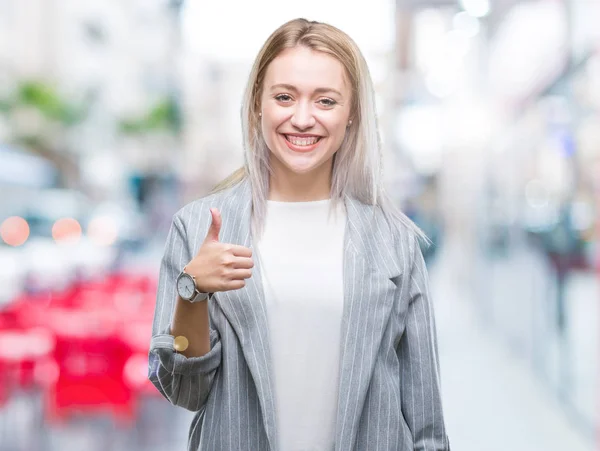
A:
{"x": 220, "y": 266}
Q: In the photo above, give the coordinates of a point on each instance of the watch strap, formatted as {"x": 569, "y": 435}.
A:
{"x": 200, "y": 296}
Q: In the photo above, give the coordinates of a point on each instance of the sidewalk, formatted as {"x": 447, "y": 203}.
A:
{"x": 492, "y": 399}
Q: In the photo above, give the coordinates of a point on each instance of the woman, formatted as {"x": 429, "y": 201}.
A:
{"x": 293, "y": 310}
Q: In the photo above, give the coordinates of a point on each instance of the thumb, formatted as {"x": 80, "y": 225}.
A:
{"x": 215, "y": 226}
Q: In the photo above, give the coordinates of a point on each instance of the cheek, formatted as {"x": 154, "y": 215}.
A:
{"x": 335, "y": 123}
{"x": 269, "y": 127}
{"x": 272, "y": 120}
{"x": 337, "y": 131}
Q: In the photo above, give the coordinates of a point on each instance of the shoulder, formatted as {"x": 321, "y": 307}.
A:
{"x": 405, "y": 234}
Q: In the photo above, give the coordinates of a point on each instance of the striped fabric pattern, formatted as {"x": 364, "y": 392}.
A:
{"x": 389, "y": 387}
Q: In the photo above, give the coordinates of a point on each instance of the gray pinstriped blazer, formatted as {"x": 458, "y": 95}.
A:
{"x": 389, "y": 386}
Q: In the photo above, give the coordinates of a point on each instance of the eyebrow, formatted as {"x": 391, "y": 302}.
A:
{"x": 318, "y": 90}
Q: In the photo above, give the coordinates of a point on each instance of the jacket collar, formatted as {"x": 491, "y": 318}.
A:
{"x": 369, "y": 257}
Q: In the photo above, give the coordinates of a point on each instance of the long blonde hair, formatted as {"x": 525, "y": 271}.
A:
{"x": 357, "y": 165}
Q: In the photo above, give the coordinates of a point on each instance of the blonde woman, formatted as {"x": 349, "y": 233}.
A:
{"x": 293, "y": 310}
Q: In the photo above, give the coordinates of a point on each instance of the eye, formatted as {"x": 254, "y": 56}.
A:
{"x": 283, "y": 98}
{"x": 327, "y": 102}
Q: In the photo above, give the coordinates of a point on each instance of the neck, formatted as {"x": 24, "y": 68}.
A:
{"x": 288, "y": 186}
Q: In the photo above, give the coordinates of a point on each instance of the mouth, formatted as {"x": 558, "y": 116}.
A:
{"x": 302, "y": 143}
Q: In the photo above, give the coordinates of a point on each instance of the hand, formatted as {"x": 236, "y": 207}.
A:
{"x": 220, "y": 266}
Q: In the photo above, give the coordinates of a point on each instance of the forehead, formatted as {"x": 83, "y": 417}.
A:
{"x": 306, "y": 69}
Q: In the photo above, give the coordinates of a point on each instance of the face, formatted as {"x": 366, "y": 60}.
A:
{"x": 305, "y": 106}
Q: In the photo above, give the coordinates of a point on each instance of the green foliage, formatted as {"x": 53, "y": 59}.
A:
{"x": 46, "y": 99}
{"x": 163, "y": 116}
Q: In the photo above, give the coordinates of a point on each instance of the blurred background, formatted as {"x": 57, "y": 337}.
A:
{"x": 115, "y": 113}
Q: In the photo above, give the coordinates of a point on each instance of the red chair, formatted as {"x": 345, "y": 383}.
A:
{"x": 90, "y": 359}
{"x": 86, "y": 346}
{"x": 21, "y": 350}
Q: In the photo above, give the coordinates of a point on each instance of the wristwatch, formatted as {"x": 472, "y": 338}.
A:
{"x": 186, "y": 288}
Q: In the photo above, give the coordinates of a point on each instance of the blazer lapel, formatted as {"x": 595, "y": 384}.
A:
{"x": 245, "y": 308}
{"x": 370, "y": 268}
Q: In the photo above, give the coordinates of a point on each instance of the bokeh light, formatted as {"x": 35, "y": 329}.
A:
{"x": 66, "y": 230}
{"x": 14, "y": 231}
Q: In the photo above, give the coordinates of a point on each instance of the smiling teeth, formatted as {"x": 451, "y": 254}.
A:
{"x": 302, "y": 141}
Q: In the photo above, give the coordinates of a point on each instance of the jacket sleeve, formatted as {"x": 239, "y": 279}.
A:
{"x": 418, "y": 355}
{"x": 185, "y": 382}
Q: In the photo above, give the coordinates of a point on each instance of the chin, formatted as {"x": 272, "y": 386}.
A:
{"x": 303, "y": 165}
{"x": 300, "y": 168}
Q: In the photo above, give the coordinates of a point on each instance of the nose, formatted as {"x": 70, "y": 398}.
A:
{"x": 303, "y": 118}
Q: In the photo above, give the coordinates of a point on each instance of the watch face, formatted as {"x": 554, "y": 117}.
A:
{"x": 186, "y": 287}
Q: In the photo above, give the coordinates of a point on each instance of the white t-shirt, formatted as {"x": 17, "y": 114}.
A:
{"x": 301, "y": 256}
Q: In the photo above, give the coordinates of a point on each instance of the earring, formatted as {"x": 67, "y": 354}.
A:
{"x": 350, "y": 122}
{"x": 259, "y": 114}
